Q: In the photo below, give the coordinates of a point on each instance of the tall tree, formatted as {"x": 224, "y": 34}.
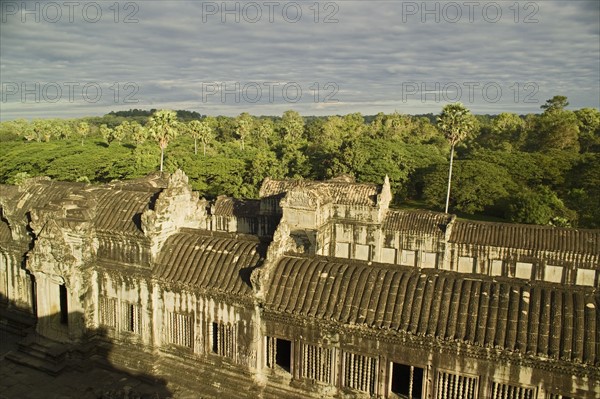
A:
{"x": 557, "y": 128}
{"x": 122, "y": 131}
{"x": 200, "y": 130}
{"x": 556, "y": 103}
{"x": 507, "y": 132}
{"x": 107, "y": 133}
{"x": 40, "y": 129}
{"x": 18, "y": 127}
{"x": 83, "y": 129}
{"x": 455, "y": 122}
{"x": 264, "y": 131}
{"x": 139, "y": 133}
{"x": 292, "y": 125}
{"x": 244, "y": 125}
{"x": 589, "y": 129}
{"x": 62, "y": 129}
{"x": 392, "y": 126}
{"x": 163, "y": 127}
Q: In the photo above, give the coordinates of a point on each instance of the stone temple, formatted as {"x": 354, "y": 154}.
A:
{"x": 315, "y": 290}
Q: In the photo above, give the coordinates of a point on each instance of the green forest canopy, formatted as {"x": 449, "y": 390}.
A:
{"x": 536, "y": 168}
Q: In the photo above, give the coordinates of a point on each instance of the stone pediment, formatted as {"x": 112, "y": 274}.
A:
{"x": 63, "y": 237}
{"x": 52, "y": 254}
{"x": 176, "y": 207}
{"x": 305, "y": 198}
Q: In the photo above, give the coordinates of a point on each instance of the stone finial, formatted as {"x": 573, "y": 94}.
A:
{"x": 384, "y": 197}
{"x": 178, "y": 179}
{"x": 282, "y": 243}
{"x": 386, "y": 190}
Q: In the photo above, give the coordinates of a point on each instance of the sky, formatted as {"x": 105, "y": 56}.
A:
{"x": 83, "y": 58}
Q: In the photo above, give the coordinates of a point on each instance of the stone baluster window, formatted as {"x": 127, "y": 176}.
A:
{"x": 223, "y": 339}
{"x": 406, "y": 381}
{"x": 279, "y": 353}
{"x": 454, "y": 386}
{"x": 107, "y": 309}
{"x": 180, "y": 329}
{"x": 131, "y": 317}
{"x": 270, "y": 347}
{"x": 360, "y": 372}
{"x": 318, "y": 363}
{"x": 221, "y": 223}
{"x": 505, "y": 391}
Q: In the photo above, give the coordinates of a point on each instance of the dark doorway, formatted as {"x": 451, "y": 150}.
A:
{"x": 407, "y": 381}
{"x": 33, "y": 294}
{"x": 64, "y": 305}
{"x": 283, "y": 354}
{"x": 215, "y": 338}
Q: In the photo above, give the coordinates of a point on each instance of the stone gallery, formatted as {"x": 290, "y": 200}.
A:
{"x": 317, "y": 289}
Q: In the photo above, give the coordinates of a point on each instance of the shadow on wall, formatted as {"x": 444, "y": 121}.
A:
{"x": 37, "y": 367}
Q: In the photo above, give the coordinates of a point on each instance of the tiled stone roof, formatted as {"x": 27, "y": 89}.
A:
{"x": 119, "y": 211}
{"x": 213, "y": 261}
{"x": 227, "y": 206}
{"x": 414, "y": 221}
{"x": 339, "y": 192}
{"x": 39, "y": 193}
{"x": 542, "y": 321}
{"x": 531, "y": 237}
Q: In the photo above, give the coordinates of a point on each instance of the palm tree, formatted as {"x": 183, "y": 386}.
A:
{"x": 139, "y": 134}
{"x": 264, "y": 130}
{"x": 107, "y": 133}
{"x": 163, "y": 128}
{"x": 83, "y": 129}
{"x": 202, "y": 131}
{"x": 244, "y": 122}
{"x": 121, "y": 131}
{"x": 455, "y": 122}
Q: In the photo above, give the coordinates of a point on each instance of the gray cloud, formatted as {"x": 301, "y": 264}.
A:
{"x": 374, "y": 57}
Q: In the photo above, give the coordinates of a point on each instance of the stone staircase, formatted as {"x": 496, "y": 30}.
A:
{"x": 53, "y": 357}
{"x": 41, "y": 353}
{"x": 15, "y": 322}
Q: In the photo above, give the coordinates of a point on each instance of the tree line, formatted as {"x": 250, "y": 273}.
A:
{"x": 538, "y": 168}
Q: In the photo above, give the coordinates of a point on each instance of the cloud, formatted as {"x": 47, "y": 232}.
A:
{"x": 372, "y": 52}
